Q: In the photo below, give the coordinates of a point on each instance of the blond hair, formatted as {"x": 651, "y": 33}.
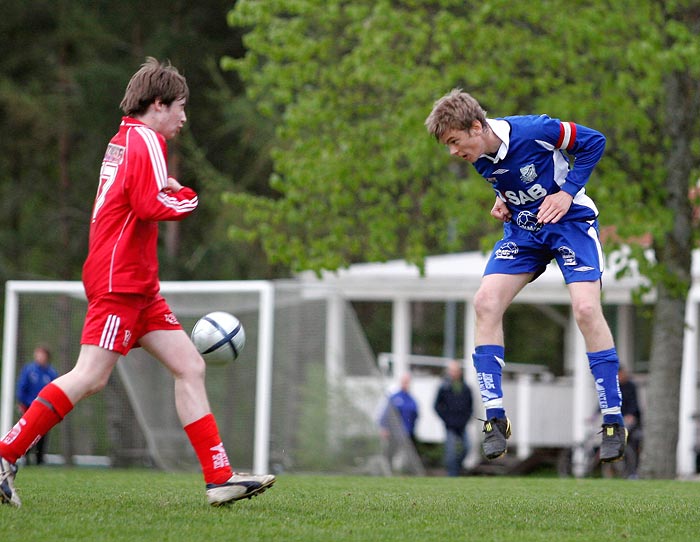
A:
{"x": 153, "y": 81}
{"x": 456, "y": 110}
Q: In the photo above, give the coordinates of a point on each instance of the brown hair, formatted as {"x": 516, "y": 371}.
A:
{"x": 153, "y": 81}
{"x": 457, "y": 110}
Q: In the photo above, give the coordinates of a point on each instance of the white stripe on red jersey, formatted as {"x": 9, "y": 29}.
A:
{"x": 155, "y": 152}
{"x": 180, "y": 206}
{"x": 132, "y": 198}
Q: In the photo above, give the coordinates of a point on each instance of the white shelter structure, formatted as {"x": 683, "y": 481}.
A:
{"x": 455, "y": 277}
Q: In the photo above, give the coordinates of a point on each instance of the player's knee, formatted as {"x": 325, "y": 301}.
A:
{"x": 193, "y": 369}
{"x": 487, "y": 304}
{"x": 586, "y": 312}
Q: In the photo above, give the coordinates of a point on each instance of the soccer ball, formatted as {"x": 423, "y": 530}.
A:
{"x": 219, "y": 337}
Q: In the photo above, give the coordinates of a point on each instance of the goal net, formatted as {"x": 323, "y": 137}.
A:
{"x": 302, "y": 396}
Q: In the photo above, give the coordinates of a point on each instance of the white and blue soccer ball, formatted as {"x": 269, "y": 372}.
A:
{"x": 219, "y": 337}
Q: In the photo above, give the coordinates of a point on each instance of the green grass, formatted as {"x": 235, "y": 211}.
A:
{"x": 143, "y": 505}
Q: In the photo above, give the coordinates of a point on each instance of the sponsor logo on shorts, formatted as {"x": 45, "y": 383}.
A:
{"x": 507, "y": 251}
{"x": 568, "y": 255}
{"x": 127, "y": 337}
{"x": 584, "y": 268}
{"x": 528, "y": 221}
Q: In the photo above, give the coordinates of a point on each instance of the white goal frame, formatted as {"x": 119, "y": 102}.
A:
{"x": 263, "y": 390}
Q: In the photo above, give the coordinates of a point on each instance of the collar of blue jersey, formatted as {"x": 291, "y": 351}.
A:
{"x": 501, "y": 128}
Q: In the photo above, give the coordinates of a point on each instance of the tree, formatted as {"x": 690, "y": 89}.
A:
{"x": 63, "y": 72}
{"x": 62, "y": 75}
{"x": 348, "y": 85}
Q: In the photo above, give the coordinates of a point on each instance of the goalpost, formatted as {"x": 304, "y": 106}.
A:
{"x": 215, "y": 294}
{"x": 316, "y": 412}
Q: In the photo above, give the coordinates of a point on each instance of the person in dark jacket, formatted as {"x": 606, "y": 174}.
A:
{"x": 454, "y": 406}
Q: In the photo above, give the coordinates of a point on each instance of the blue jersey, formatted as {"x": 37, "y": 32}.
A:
{"x": 31, "y": 381}
{"x": 406, "y": 407}
{"x": 531, "y": 164}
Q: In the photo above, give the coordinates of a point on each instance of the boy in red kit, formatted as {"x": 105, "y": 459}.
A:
{"x": 120, "y": 275}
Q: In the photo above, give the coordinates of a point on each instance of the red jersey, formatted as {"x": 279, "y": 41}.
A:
{"x": 131, "y": 199}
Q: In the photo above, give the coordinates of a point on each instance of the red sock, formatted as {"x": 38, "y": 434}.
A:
{"x": 205, "y": 439}
{"x": 49, "y": 408}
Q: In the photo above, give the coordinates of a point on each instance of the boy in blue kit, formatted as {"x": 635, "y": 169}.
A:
{"x": 542, "y": 202}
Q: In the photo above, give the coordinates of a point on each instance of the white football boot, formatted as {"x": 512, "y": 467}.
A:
{"x": 8, "y": 494}
{"x": 239, "y": 486}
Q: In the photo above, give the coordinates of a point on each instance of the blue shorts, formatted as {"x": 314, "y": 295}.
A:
{"x": 574, "y": 245}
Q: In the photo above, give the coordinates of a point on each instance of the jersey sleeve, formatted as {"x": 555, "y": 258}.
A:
{"x": 584, "y": 144}
{"x": 148, "y": 181}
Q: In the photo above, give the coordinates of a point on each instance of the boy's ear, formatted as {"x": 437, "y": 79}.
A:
{"x": 476, "y": 127}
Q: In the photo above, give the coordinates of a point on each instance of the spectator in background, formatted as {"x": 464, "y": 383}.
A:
{"x": 34, "y": 376}
{"x": 454, "y": 406}
{"x": 398, "y": 421}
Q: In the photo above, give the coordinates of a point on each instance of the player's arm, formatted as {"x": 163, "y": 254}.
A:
{"x": 164, "y": 204}
{"x": 153, "y": 194}
{"x": 500, "y": 210}
{"x": 554, "y": 207}
{"x": 586, "y": 146}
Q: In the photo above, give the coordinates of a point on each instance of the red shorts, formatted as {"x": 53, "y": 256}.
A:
{"x": 116, "y": 322}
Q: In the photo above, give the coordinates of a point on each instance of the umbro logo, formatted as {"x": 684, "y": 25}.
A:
{"x": 500, "y": 172}
{"x": 583, "y": 268}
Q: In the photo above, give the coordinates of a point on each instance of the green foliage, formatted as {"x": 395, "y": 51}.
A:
{"x": 349, "y": 84}
{"x": 63, "y": 73}
{"x": 360, "y": 179}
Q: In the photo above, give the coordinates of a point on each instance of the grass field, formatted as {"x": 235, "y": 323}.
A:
{"x": 144, "y": 505}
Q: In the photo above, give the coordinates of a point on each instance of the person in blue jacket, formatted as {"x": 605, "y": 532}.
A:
{"x": 34, "y": 376}
{"x": 453, "y": 404}
{"x": 538, "y": 167}
{"x": 398, "y": 420}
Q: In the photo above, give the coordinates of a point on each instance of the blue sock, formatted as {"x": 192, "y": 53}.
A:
{"x": 604, "y": 367}
{"x": 489, "y": 362}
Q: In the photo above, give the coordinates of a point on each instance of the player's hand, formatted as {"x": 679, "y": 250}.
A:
{"x": 554, "y": 207}
{"x": 173, "y": 186}
{"x": 500, "y": 211}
